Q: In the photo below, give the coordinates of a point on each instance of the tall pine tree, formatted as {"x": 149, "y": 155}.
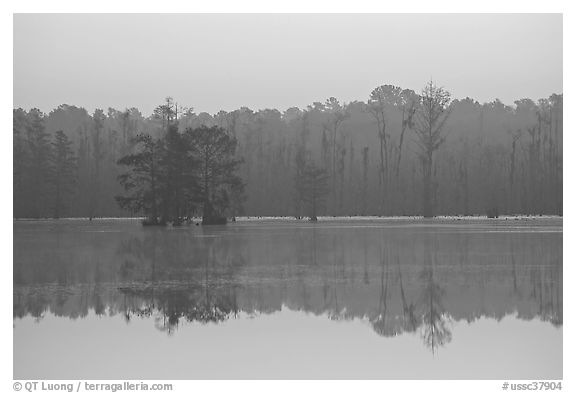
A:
{"x": 63, "y": 173}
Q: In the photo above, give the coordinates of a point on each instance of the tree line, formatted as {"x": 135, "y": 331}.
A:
{"x": 44, "y": 168}
{"x": 398, "y": 153}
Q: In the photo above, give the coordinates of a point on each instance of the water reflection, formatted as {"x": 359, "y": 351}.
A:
{"x": 401, "y": 277}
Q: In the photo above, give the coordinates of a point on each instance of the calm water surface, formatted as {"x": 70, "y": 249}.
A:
{"x": 386, "y": 299}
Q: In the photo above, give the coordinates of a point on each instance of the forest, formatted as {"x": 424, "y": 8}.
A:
{"x": 399, "y": 153}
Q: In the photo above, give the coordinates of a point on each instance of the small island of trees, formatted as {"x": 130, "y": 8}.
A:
{"x": 181, "y": 175}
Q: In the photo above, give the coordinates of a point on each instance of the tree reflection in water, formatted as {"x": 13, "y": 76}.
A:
{"x": 434, "y": 329}
{"x": 402, "y": 280}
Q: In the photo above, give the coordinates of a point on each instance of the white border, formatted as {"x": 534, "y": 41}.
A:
{"x": 292, "y": 6}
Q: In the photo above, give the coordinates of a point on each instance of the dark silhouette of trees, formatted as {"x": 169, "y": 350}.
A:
{"x": 39, "y": 152}
{"x": 166, "y": 113}
{"x": 44, "y": 171}
{"x": 481, "y": 157}
{"x": 216, "y": 174}
{"x": 63, "y": 176}
{"x": 170, "y": 177}
{"x": 19, "y": 161}
{"x": 313, "y": 188}
{"x": 142, "y": 181}
{"x": 555, "y": 151}
{"x": 178, "y": 183}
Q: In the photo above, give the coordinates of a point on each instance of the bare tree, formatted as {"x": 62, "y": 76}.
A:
{"x": 431, "y": 117}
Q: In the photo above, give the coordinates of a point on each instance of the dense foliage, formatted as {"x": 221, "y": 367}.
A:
{"x": 44, "y": 172}
{"x": 178, "y": 175}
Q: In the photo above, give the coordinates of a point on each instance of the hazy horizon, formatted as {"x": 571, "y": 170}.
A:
{"x": 215, "y": 62}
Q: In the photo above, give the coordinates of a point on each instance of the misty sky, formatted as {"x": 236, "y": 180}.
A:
{"x": 213, "y": 62}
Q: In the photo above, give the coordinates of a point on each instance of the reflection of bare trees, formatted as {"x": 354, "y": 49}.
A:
{"x": 206, "y": 276}
{"x": 514, "y": 272}
{"x": 409, "y": 320}
{"x": 546, "y": 290}
{"x": 539, "y": 282}
{"x": 378, "y": 321}
{"x": 426, "y": 314}
{"x": 434, "y": 329}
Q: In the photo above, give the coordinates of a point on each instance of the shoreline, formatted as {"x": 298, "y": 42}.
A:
{"x": 320, "y": 218}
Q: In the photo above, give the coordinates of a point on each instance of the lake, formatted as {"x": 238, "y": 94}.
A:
{"x": 268, "y": 299}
